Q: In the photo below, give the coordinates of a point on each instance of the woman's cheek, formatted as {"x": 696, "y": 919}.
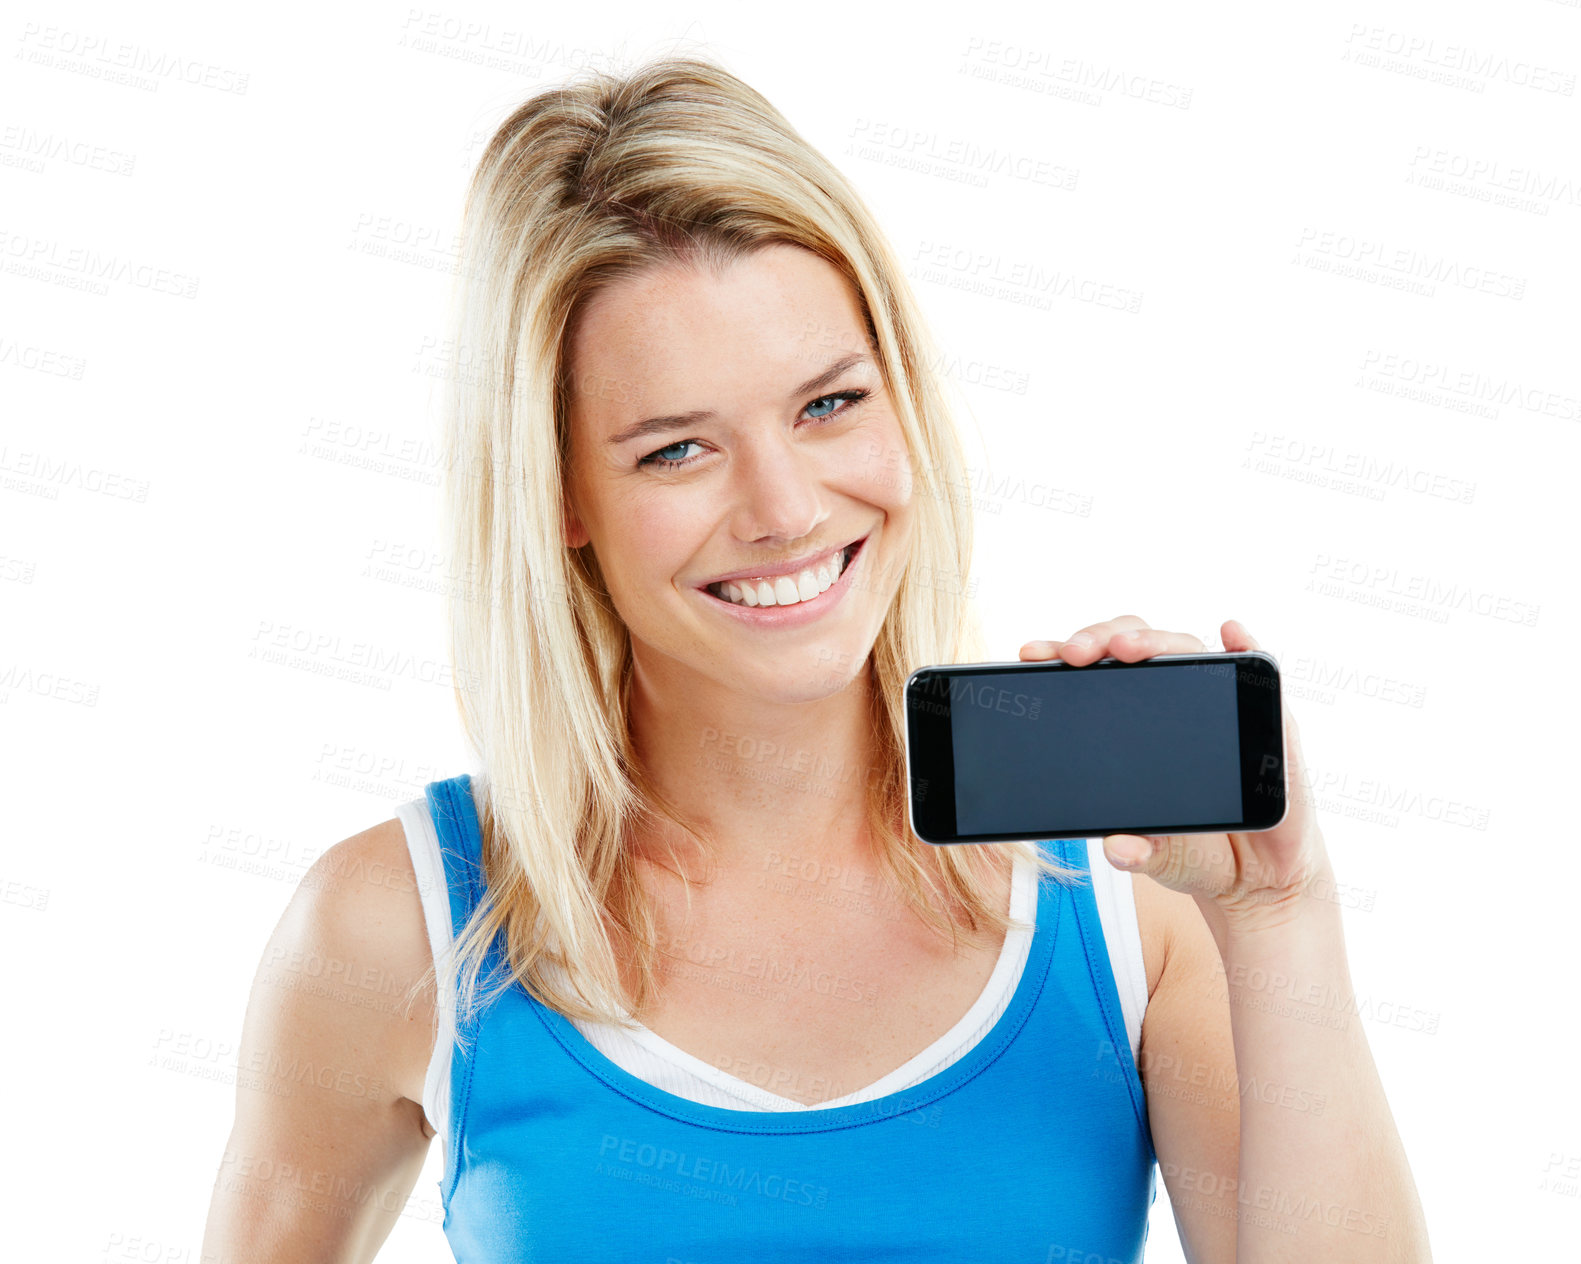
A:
{"x": 883, "y": 466}
{"x": 652, "y": 551}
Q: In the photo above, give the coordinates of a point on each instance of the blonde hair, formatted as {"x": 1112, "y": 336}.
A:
{"x": 677, "y": 161}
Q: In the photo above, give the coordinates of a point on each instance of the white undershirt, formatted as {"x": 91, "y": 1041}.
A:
{"x": 651, "y": 1058}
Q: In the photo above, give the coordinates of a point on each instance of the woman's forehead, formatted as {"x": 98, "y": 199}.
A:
{"x": 774, "y": 316}
{"x": 765, "y": 281}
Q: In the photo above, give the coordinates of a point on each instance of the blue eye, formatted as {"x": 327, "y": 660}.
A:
{"x": 657, "y": 459}
{"x": 853, "y": 400}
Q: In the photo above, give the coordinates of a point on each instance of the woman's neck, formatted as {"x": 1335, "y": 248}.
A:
{"x": 761, "y": 781}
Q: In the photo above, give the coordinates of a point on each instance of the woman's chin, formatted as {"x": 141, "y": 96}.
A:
{"x": 791, "y": 677}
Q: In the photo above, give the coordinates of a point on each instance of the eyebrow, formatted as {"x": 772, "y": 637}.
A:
{"x": 680, "y": 421}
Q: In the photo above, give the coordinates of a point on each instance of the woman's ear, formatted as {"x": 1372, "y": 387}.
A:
{"x": 575, "y": 533}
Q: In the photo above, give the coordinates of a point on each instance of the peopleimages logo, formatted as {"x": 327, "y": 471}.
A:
{"x": 663, "y": 1161}
{"x": 964, "y": 692}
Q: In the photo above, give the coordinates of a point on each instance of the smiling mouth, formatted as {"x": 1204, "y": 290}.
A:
{"x": 787, "y": 590}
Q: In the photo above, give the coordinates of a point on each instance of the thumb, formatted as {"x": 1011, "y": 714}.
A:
{"x": 1130, "y": 852}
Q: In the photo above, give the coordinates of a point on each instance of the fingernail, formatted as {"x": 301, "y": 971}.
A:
{"x": 1128, "y": 852}
{"x": 1081, "y": 641}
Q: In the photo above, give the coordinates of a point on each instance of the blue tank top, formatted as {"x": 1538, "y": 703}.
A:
{"x": 1034, "y": 1147}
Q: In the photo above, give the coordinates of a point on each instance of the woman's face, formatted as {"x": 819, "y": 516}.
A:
{"x": 727, "y": 426}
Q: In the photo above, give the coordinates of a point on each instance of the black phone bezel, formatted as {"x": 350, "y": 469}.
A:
{"x": 930, "y": 782}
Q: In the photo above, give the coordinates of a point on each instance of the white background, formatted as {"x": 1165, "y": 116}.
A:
{"x": 1372, "y": 467}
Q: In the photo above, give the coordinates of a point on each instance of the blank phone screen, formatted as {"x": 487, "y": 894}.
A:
{"x": 1076, "y": 749}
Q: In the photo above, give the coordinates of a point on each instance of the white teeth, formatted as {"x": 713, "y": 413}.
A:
{"x": 783, "y": 590}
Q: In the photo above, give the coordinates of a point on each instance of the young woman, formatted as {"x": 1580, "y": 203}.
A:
{"x": 668, "y": 976}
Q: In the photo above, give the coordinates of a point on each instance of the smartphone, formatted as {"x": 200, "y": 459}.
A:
{"x": 1175, "y": 744}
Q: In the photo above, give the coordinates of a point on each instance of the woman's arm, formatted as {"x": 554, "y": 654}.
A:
{"x": 1340, "y": 1177}
{"x": 1258, "y": 994}
{"x": 1272, "y": 1129}
{"x": 325, "y": 1148}
{"x": 1187, "y": 1065}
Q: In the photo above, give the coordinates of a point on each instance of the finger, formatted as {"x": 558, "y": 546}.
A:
{"x": 1127, "y": 644}
{"x": 1127, "y": 851}
{"x": 1140, "y": 643}
{"x": 1236, "y": 638}
{"x": 1195, "y": 864}
{"x": 1092, "y": 642}
{"x": 1093, "y": 636}
{"x": 1296, "y": 788}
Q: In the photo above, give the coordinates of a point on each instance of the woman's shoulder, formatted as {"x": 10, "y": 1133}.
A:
{"x": 365, "y": 895}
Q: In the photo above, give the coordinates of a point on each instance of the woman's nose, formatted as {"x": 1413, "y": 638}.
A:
{"x": 778, "y": 491}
